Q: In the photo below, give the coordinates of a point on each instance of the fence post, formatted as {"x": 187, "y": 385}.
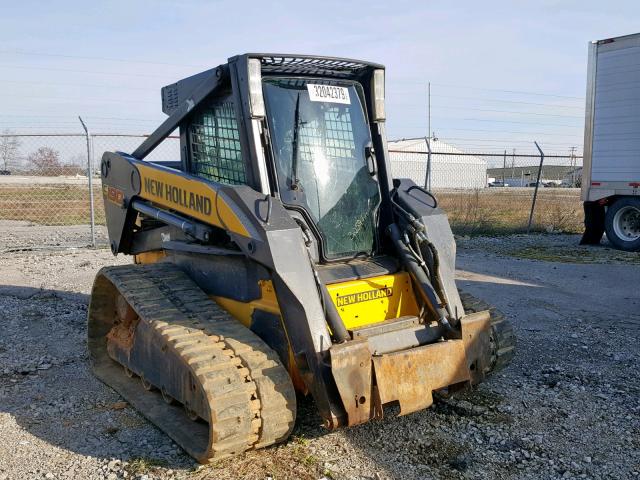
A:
{"x": 90, "y": 175}
{"x": 427, "y": 180}
{"x": 504, "y": 166}
{"x": 535, "y": 192}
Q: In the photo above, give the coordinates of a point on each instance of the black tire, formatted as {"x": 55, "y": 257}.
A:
{"x": 503, "y": 339}
{"x": 622, "y": 224}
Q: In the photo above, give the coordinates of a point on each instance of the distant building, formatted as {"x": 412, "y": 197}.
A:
{"x": 524, "y": 176}
{"x": 450, "y": 166}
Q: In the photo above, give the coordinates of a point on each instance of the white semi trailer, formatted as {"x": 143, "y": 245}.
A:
{"x": 611, "y": 172}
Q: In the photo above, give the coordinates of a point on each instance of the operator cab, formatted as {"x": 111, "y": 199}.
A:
{"x": 300, "y": 129}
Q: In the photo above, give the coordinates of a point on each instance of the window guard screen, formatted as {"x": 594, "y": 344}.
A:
{"x": 215, "y": 145}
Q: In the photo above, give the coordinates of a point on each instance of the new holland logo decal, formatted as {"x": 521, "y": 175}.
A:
{"x": 364, "y": 296}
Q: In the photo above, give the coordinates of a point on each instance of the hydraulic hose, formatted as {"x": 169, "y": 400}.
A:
{"x": 338, "y": 330}
{"x": 413, "y": 265}
{"x": 437, "y": 279}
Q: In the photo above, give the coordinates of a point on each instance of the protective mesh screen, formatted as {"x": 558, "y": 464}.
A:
{"x": 332, "y": 67}
{"x": 338, "y": 136}
{"x": 215, "y": 145}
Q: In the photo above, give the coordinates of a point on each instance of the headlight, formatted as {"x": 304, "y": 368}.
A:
{"x": 378, "y": 95}
{"x": 255, "y": 88}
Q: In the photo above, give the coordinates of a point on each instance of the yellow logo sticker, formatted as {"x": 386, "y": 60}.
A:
{"x": 366, "y": 296}
{"x": 176, "y": 195}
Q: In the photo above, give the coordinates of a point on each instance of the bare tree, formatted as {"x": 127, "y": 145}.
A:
{"x": 9, "y": 146}
{"x": 45, "y": 161}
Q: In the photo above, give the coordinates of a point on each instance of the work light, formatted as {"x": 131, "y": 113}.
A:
{"x": 255, "y": 88}
{"x": 378, "y": 95}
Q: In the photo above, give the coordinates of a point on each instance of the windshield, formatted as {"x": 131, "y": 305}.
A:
{"x": 319, "y": 133}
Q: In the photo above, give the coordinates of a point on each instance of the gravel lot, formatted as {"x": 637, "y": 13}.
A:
{"x": 568, "y": 406}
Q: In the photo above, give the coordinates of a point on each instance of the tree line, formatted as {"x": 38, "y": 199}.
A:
{"x": 45, "y": 161}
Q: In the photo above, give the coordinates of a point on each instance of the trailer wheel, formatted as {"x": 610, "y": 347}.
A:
{"x": 622, "y": 224}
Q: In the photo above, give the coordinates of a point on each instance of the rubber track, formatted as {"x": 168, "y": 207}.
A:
{"x": 503, "y": 340}
{"x": 250, "y": 395}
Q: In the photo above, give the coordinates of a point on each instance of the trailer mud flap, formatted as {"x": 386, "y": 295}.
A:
{"x": 410, "y": 377}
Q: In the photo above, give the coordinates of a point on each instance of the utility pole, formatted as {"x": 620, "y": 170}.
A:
{"x": 427, "y": 183}
{"x": 428, "y": 111}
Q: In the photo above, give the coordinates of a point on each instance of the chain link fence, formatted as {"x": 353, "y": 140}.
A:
{"x": 493, "y": 193}
{"x": 45, "y": 199}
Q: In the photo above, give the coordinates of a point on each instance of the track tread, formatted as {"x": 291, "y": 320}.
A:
{"x": 503, "y": 339}
{"x": 250, "y": 396}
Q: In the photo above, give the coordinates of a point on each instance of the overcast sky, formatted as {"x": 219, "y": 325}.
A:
{"x": 502, "y": 73}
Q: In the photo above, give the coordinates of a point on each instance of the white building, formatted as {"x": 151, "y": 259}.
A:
{"x": 450, "y": 167}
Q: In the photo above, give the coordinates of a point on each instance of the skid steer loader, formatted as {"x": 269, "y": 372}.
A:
{"x": 279, "y": 256}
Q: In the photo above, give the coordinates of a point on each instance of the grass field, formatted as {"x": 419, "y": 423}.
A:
{"x": 506, "y": 211}
{"x": 472, "y": 212}
{"x": 49, "y": 204}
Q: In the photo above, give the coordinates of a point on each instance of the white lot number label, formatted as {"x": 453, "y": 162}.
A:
{"x": 328, "y": 93}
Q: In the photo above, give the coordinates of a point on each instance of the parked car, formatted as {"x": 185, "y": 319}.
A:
{"x": 543, "y": 184}
{"x": 498, "y": 183}
{"x": 5, "y": 172}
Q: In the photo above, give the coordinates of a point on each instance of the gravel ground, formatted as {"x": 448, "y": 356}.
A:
{"x": 567, "y": 407}
{"x": 16, "y": 235}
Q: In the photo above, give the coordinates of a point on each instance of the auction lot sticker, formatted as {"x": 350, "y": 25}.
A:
{"x": 328, "y": 93}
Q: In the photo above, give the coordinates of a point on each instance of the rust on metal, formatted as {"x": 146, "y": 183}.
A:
{"x": 477, "y": 343}
{"x": 124, "y": 328}
{"x": 351, "y": 368}
{"x": 410, "y": 377}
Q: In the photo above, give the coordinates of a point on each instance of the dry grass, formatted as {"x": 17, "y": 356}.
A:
{"x": 49, "y": 204}
{"x": 471, "y": 212}
{"x": 506, "y": 211}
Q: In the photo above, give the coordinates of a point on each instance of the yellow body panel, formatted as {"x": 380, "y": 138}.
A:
{"x": 374, "y": 300}
{"x": 268, "y": 302}
{"x": 242, "y": 311}
{"x": 191, "y": 197}
{"x": 152, "y": 256}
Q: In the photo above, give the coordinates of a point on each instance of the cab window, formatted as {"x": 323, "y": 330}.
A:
{"x": 214, "y": 142}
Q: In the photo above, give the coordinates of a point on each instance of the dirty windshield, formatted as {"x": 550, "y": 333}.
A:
{"x": 319, "y": 133}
